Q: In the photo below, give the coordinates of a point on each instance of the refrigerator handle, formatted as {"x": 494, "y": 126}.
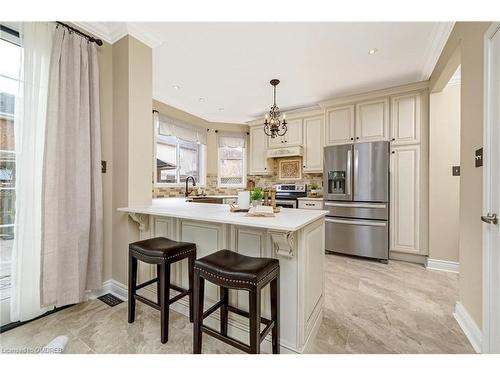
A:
{"x": 356, "y": 157}
{"x": 349, "y": 172}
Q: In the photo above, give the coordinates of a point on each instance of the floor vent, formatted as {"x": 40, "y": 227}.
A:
{"x": 110, "y": 299}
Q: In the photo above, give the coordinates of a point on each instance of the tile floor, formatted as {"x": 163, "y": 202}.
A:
{"x": 369, "y": 308}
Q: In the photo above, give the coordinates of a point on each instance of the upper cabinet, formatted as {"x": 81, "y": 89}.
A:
{"x": 313, "y": 144}
{"x": 405, "y": 119}
{"x": 292, "y": 137}
{"x": 372, "y": 120}
{"x": 339, "y": 127}
{"x": 258, "y": 149}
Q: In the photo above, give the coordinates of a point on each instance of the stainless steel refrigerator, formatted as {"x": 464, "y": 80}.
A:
{"x": 356, "y": 193}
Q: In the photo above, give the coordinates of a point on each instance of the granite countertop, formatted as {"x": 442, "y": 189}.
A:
{"x": 289, "y": 219}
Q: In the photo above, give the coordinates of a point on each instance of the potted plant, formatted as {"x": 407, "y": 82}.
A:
{"x": 256, "y": 196}
{"x": 313, "y": 192}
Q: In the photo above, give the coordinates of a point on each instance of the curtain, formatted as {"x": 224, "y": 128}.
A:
{"x": 186, "y": 132}
{"x": 72, "y": 239}
{"x": 31, "y": 106}
{"x": 231, "y": 139}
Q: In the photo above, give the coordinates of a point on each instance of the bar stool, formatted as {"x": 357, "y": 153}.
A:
{"x": 162, "y": 252}
{"x": 230, "y": 270}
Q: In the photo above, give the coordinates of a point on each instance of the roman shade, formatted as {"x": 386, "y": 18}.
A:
{"x": 232, "y": 139}
{"x": 171, "y": 127}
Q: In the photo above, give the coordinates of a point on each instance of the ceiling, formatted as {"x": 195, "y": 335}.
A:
{"x": 229, "y": 65}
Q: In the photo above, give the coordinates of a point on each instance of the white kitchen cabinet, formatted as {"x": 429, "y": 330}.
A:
{"x": 405, "y": 199}
{"x": 405, "y": 119}
{"x": 258, "y": 149}
{"x": 339, "y": 127}
{"x": 372, "y": 120}
{"x": 276, "y": 142}
{"x": 313, "y": 144}
{"x": 292, "y": 137}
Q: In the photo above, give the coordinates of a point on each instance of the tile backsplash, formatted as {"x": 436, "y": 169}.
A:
{"x": 266, "y": 181}
{"x": 210, "y": 188}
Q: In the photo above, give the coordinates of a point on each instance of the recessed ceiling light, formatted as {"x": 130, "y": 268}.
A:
{"x": 220, "y": 109}
{"x": 373, "y": 51}
{"x": 201, "y": 99}
{"x": 176, "y": 87}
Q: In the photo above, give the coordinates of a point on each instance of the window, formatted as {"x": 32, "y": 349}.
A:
{"x": 10, "y": 65}
{"x": 231, "y": 166}
{"x": 180, "y": 152}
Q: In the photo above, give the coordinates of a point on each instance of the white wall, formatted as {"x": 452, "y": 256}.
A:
{"x": 444, "y": 189}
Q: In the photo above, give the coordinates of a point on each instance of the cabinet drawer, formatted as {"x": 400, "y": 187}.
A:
{"x": 311, "y": 205}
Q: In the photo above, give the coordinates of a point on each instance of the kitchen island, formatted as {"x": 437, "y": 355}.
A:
{"x": 295, "y": 237}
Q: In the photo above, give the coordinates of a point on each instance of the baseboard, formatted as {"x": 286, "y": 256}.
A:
{"x": 443, "y": 265}
{"x": 110, "y": 286}
{"x": 116, "y": 288}
{"x": 469, "y": 326}
{"x": 407, "y": 257}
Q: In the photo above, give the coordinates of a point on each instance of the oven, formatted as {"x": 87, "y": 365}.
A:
{"x": 287, "y": 194}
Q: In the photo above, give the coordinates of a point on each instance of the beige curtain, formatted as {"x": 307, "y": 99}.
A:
{"x": 72, "y": 239}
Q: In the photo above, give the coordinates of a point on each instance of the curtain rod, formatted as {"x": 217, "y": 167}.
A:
{"x": 89, "y": 37}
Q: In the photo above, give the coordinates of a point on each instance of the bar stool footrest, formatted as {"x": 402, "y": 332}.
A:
{"x": 269, "y": 325}
{"x": 224, "y": 338}
{"x": 152, "y": 281}
{"x": 154, "y": 305}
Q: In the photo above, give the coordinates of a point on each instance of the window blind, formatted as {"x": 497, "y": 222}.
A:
{"x": 187, "y": 132}
{"x": 232, "y": 140}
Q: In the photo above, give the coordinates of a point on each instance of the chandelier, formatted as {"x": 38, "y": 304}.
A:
{"x": 274, "y": 126}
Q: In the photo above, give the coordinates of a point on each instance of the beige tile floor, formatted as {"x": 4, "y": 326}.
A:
{"x": 369, "y": 308}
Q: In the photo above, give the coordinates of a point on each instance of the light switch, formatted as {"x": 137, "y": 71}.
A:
{"x": 455, "y": 170}
{"x": 103, "y": 166}
{"x": 479, "y": 157}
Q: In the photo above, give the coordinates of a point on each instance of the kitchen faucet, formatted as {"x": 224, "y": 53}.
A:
{"x": 186, "y": 193}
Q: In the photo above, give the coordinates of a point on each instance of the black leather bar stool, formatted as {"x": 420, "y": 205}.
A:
{"x": 162, "y": 252}
{"x": 230, "y": 270}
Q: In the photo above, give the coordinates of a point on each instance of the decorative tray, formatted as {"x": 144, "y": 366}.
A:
{"x": 235, "y": 208}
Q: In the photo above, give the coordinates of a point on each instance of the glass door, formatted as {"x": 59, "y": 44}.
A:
{"x": 10, "y": 64}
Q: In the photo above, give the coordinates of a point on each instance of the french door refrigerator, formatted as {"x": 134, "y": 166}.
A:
{"x": 356, "y": 194}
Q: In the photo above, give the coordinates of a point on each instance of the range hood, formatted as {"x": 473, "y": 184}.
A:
{"x": 285, "y": 152}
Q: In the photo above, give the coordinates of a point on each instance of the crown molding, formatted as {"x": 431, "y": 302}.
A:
{"x": 111, "y": 32}
{"x": 374, "y": 94}
{"x": 439, "y": 36}
{"x": 143, "y": 35}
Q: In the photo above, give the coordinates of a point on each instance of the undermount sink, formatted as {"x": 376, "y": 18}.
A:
{"x": 204, "y": 200}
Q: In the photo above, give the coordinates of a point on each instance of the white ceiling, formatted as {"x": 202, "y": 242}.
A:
{"x": 231, "y": 64}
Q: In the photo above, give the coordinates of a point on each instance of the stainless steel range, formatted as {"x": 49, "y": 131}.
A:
{"x": 356, "y": 184}
{"x": 287, "y": 194}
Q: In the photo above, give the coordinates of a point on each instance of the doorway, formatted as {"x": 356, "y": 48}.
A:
{"x": 444, "y": 176}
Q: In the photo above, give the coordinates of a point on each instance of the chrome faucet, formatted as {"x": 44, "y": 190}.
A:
{"x": 186, "y": 193}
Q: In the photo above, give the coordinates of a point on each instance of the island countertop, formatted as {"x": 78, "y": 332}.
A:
{"x": 289, "y": 219}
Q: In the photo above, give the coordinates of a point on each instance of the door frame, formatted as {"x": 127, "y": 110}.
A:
{"x": 491, "y": 271}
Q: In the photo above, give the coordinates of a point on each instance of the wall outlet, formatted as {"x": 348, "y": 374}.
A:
{"x": 103, "y": 166}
